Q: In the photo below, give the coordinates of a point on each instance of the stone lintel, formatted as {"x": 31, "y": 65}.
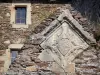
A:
{"x": 16, "y": 46}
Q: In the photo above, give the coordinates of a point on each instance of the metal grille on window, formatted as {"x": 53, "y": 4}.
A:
{"x": 20, "y": 15}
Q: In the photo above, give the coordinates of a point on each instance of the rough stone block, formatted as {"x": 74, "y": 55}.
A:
{"x": 71, "y": 68}
{"x": 31, "y": 68}
{"x": 2, "y": 52}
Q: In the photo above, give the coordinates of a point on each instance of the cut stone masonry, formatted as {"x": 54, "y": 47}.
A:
{"x": 60, "y": 45}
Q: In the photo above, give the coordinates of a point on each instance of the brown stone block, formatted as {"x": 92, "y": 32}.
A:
{"x": 30, "y": 63}
{"x": 11, "y": 8}
{"x": 71, "y": 68}
{"x": 31, "y": 68}
{"x": 78, "y": 16}
{"x": 42, "y": 64}
{"x": 83, "y": 19}
{"x": 1, "y": 65}
{"x": 2, "y": 52}
{"x": 1, "y": 70}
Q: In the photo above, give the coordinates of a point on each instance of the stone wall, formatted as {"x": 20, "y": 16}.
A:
{"x": 5, "y": 27}
{"x": 87, "y": 63}
{"x": 19, "y": 35}
{"x": 9, "y": 35}
{"x": 62, "y": 46}
{"x": 28, "y": 61}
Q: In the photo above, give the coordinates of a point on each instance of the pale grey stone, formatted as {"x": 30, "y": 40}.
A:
{"x": 77, "y": 25}
{"x": 8, "y": 14}
{"x": 45, "y": 56}
{"x": 64, "y": 45}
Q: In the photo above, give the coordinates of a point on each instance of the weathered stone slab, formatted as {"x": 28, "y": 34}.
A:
{"x": 65, "y": 41}
{"x": 5, "y": 60}
{"x": 71, "y": 68}
{"x": 63, "y": 45}
{"x": 16, "y": 46}
{"x": 45, "y": 56}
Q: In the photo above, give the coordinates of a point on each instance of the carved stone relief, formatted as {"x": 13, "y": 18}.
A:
{"x": 63, "y": 45}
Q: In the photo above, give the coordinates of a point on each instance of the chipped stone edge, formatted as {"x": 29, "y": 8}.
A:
{"x": 78, "y": 26}
{"x": 66, "y": 14}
